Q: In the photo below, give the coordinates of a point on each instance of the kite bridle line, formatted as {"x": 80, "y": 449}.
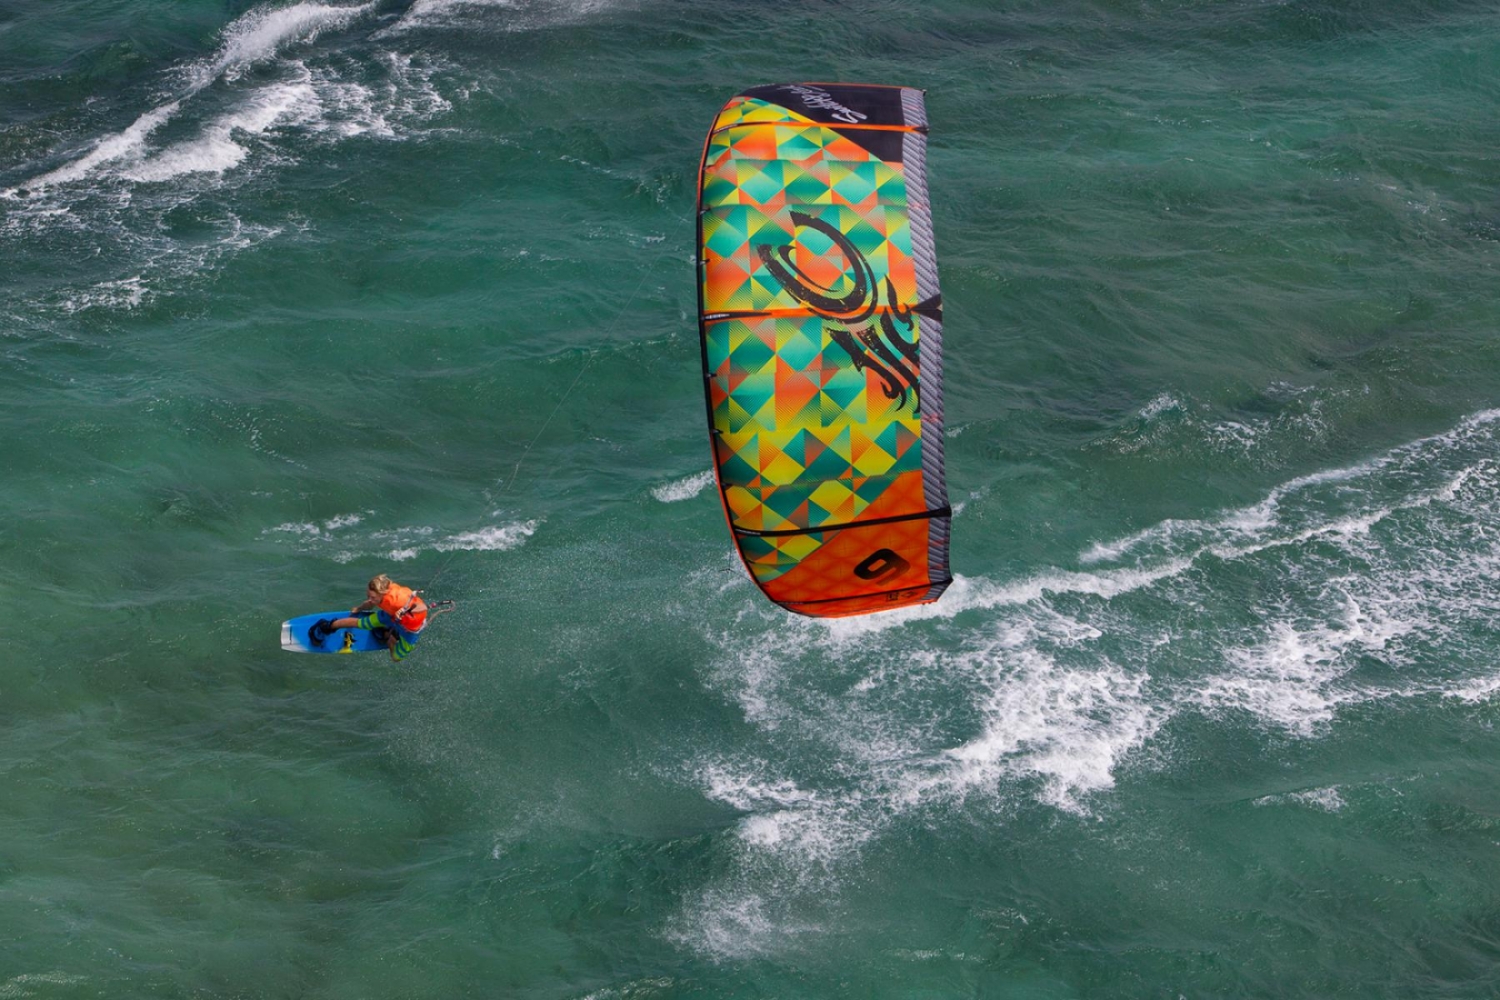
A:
{"x": 588, "y": 360}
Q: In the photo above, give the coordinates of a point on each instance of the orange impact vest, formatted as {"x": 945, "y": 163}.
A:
{"x": 409, "y": 610}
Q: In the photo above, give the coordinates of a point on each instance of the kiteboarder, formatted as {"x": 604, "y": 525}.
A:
{"x": 389, "y": 608}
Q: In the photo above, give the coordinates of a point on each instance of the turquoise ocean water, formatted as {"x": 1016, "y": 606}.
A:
{"x": 291, "y": 294}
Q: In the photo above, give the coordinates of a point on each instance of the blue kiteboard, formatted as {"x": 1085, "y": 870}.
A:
{"x": 297, "y": 636}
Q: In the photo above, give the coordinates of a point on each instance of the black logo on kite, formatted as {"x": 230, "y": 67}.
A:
{"x": 879, "y": 346}
{"x": 880, "y": 564}
{"x": 817, "y": 97}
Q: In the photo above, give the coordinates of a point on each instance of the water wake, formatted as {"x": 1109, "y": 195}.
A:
{"x": 335, "y": 539}
{"x": 1366, "y": 584}
{"x": 267, "y": 95}
{"x": 255, "y": 37}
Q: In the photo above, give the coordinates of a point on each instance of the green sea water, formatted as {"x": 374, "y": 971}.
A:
{"x": 291, "y": 294}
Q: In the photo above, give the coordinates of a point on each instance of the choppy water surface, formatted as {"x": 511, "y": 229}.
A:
{"x": 296, "y": 293}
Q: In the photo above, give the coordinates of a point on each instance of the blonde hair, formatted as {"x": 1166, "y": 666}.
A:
{"x": 380, "y": 583}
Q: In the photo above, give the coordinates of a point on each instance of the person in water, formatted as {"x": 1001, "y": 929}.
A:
{"x": 394, "y": 615}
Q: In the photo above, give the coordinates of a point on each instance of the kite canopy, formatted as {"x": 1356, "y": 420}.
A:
{"x": 822, "y": 331}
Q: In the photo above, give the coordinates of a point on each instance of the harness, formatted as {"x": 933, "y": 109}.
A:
{"x": 405, "y": 606}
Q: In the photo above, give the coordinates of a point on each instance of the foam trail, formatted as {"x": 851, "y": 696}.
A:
{"x": 1252, "y": 521}
{"x": 526, "y": 14}
{"x": 978, "y": 594}
{"x": 1327, "y": 799}
{"x": 1349, "y": 586}
{"x": 408, "y": 543}
{"x": 1243, "y": 522}
{"x": 259, "y": 34}
{"x": 1478, "y": 691}
{"x": 684, "y": 489}
{"x": 107, "y": 150}
{"x": 253, "y": 38}
{"x": 1290, "y": 678}
{"x": 496, "y": 539}
{"x": 1070, "y": 727}
{"x": 216, "y": 150}
{"x": 400, "y": 544}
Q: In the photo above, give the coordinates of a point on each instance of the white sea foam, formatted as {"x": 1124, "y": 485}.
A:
{"x": 434, "y": 13}
{"x": 217, "y": 124}
{"x": 733, "y": 924}
{"x": 261, "y": 33}
{"x": 499, "y": 538}
{"x": 1327, "y": 799}
{"x": 127, "y": 293}
{"x": 1235, "y": 435}
{"x": 1251, "y": 523}
{"x": 1044, "y": 729}
{"x": 310, "y": 529}
{"x": 30, "y": 984}
{"x": 126, "y": 144}
{"x": 748, "y": 791}
{"x": 1476, "y": 691}
{"x": 333, "y": 538}
{"x": 255, "y": 37}
{"x": 219, "y": 147}
{"x": 1290, "y": 678}
{"x": 1070, "y": 727}
{"x": 404, "y": 544}
{"x": 684, "y": 489}
{"x": 516, "y": 15}
{"x": 1163, "y": 403}
{"x": 1349, "y": 586}
{"x": 392, "y": 109}
{"x": 978, "y": 594}
{"x": 1170, "y": 421}
{"x": 295, "y": 528}
{"x": 784, "y": 818}
{"x": 636, "y": 989}
{"x": 783, "y": 849}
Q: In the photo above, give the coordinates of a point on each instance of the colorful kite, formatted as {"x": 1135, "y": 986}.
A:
{"x": 821, "y": 326}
